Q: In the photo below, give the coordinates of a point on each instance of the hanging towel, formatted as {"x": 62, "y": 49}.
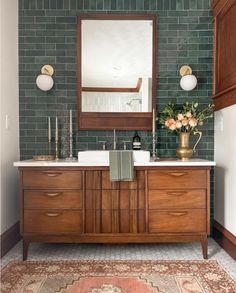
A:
{"x": 121, "y": 165}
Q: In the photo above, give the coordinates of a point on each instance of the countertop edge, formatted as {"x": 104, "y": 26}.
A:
{"x": 63, "y": 163}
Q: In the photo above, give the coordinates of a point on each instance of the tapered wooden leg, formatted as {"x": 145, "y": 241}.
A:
{"x": 204, "y": 243}
{"x": 25, "y": 249}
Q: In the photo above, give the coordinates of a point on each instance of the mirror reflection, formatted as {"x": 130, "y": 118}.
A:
{"x": 116, "y": 63}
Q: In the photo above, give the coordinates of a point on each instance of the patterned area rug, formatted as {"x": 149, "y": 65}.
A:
{"x": 116, "y": 277}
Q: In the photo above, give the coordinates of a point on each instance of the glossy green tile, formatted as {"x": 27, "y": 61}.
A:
{"x": 184, "y": 36}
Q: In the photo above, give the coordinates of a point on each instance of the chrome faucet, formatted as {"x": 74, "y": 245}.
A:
{"x": 114, "y": 139}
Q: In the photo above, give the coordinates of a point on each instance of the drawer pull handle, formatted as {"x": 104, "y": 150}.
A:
{"x": 53, "y": 194}
{"x": 176, "y": 193}
{"x": 178, "y": 214}
{"x": 52, "y": 174}
{"x": 178, "y": 174}
{"x": 52, "y": 214}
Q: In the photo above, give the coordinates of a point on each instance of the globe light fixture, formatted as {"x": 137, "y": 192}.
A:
{"x": 44, "y": 80}
{"x": 188, "y": 81}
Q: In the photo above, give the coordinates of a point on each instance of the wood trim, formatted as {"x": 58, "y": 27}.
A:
{"x": 223, "y": 95}
{"x": 218, "y": 5}
{"x": 214, "y": 54}
{"x": 225, "y": 239}
{"x": 208, "y": 203}
{"x": 112, "y": 120}
{"x": 101, "y": 168}
{"x": 225, "y": 98}
{"x": 112, "y": 237}
{"x": 146, "y": 202}
{"x": 115, "y": 89}
{"x": 9, "y": 238}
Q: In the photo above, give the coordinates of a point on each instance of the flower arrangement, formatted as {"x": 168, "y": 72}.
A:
{"x": 186, "y": 118}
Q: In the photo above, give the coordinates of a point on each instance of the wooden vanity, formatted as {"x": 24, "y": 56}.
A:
{"x": 79, "y": 204}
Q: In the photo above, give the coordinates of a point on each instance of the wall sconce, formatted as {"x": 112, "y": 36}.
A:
{"x": 44, "y": 81}
{"x": 188, "y": 81}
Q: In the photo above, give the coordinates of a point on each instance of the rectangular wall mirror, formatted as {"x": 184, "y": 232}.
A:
{"x": 116, "y": 71}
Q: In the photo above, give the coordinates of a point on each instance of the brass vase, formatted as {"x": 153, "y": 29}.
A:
{"x": 184, "y": 152}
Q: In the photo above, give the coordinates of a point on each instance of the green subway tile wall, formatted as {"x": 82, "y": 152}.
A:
{"x": 47, "y": 34}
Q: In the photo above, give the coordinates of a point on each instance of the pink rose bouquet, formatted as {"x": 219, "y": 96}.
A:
{"x": 186, "y": 118}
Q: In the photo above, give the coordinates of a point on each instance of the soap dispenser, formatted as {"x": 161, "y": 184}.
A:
{"x": 136, "y": 141}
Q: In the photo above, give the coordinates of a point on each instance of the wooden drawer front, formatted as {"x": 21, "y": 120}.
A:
{"x": 132, "y": 221}
{"x": 92, "y": 200}
{"x": 115, "y": 221}
{"x": 193, "y": 198}
{"x": 51, "y": 199}
{"x": 93, "y": 179}
{"x": 182, "y": 179}
{"x": 114, "y": 199}
{"x": 177, "y": 221}
{"x": 138, "y": 183}
{"x": 52, "y": 179}
{"x": 123, "y": 199}
{"x": 55, "y": 221}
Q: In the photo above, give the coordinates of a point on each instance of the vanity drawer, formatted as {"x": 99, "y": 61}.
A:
{"x": 137, "y": 183}
{"x": 177, "y": 221}
{"x": 52, "y": 179}
{"x": 54, "y": 221}
{"x": 171, "y": 179}
{"x": 52, "y": 199}
{"x": 192, "y": 198}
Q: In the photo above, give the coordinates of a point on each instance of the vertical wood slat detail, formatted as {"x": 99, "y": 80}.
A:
{"x": 111, "y": 209}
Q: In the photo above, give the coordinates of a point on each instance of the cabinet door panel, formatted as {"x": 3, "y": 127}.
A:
{"x": 92, "y": 221}
{"x": 132, "y": 221}
{"x": 107, "y": 224}
{"x": 132, "y": 199}
{"x": 110, "y": 199}
{"x": 92, "y": 199}
{"x": 125, "y": 198}
{"x": 93, "y": 179}
{"x": 141, "y": 221}
{"x": 138, "y": 183}
{"x": 107, "y": 183}
{"x": 104, "y": 221}
{"x": 54, "y": 221}
{"x": 52, "y": 179}
{"x": 177, "y": 221}
{"x": 177, "y": 179}
{"x": 193, "y": 198}
{"x": 52, "y": 199}
{"x": 225, "y": 47}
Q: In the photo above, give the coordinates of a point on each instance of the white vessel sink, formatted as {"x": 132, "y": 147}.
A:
{"x": 141, "y": 156}
{"x": 103, "y": 156}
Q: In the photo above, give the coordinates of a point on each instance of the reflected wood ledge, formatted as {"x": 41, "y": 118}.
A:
{"x": 114, "y": 89}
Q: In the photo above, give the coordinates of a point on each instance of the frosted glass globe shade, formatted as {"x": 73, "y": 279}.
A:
{"x": 188, "y": 82}
{"x": 44, "y": 82}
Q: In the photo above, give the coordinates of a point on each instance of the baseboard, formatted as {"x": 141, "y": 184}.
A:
{"x": 9, "y": 238}
{"x": 225, "y": 239}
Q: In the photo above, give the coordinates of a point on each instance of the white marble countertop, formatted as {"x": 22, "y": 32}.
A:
{"x": 162, "y": 162}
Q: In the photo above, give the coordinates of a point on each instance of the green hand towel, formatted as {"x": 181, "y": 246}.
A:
{"x": 121, "y": 165}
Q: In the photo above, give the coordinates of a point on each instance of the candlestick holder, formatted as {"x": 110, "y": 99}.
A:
{"x": 71, "y": 158}
{"x": 49, "y": 147}
{"x": 56, "y": 145}
{"x": 154, "y": 154}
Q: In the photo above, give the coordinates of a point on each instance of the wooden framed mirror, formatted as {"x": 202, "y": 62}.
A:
{"x": 116, "y": 73}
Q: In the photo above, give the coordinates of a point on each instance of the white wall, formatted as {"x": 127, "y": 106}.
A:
{"x": 9, "y": 147}
{"x": 225, "y": 157}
